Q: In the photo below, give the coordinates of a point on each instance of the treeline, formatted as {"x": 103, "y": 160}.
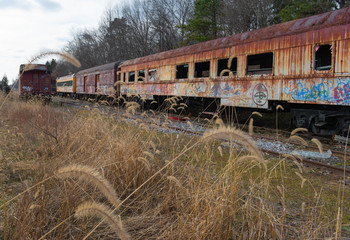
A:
{"x": 144, "y": 27}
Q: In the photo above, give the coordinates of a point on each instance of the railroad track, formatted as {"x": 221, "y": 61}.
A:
{"x": 316, "y": 164}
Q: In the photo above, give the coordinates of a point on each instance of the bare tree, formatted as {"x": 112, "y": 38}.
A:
{"x": 243, "y": 15}
{"x": 168, "y": 18}
{"x": 137, "y": 17}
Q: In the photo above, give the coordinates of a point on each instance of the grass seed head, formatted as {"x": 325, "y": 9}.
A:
{"x": 102, "y": 211}
{"x": 318, "y": 143}
{"x": 298, "y": 130}
{"x": 91, "y": 176}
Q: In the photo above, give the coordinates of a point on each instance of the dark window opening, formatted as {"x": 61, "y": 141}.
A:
{"x": 323, "y": 57}
{"x": 224, "y": 68}
{"x": 182, "y": 71}
{"x": 141, "y": 76}
{"x": 131, "y": 76}
{"x": 152, "y": 75}
{"x": 119, "y": 76}
{"x": 201, "y": 69}
{"x": 260, "y": 63}
{"x": 124, "y": 77}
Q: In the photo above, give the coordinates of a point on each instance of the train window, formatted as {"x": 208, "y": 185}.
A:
{"x": 132, "y": 76}
{"x": 152, "y": 75}
{"x": 323, "y": 57}
{"x": 65, "y": 84}
{"x": 119, "y": 76}
{"x": 260, "y": 63}
{"x": 182, "y": 71}
{"x": 141, "y": 76}
{"x": 225, "y": 66}
{"x": 201, "y": 69}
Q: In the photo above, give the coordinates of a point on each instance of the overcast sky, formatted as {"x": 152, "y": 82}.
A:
{"x": 29, "y": 27}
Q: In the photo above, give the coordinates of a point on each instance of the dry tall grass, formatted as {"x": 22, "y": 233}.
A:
{"x": 166, "y": 186}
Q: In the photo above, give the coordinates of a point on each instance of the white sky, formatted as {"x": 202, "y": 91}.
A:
{"x": 29, "y": 27}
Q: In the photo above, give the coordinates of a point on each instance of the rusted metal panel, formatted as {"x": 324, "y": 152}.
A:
{"x": 343, "y": 56}
{"x": 293, "y": 61}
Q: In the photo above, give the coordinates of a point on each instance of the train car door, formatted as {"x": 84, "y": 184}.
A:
{"x": 36, "y": 83}
{"x": 97, "y": 83}
{"x": 118, "y": 78}
{"x": 85, "y": 84}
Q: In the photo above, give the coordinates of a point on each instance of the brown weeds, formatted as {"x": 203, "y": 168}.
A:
{"x": 172, "y": 186}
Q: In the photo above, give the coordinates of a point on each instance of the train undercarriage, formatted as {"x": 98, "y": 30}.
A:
{"x": 324, "y": 121}
{"x": 321, "y": 120}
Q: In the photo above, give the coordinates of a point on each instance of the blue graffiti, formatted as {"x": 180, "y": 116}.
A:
{"x": 335, "y": 90}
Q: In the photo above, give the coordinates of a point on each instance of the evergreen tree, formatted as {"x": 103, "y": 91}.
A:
{"x": 204, "y": 25}
{"x": 4, "y": 85}
{"x": 51, "y": 65}
{"x": 290, "y": 10}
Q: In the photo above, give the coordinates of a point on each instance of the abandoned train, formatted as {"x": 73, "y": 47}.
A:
{"x": 35, "y": 79}
{"x": 302, "y": 65}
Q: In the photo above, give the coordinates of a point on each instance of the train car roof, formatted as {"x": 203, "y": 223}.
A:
{"x": 104, "y": 67}
{"x": 32, "y": 67}
{"x": 65, "y": 77}
{"x": 324, "y": 20}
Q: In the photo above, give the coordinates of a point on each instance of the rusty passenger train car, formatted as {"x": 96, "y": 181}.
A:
{"x": 303, "y": 65}
{"x": 97, "y": 81}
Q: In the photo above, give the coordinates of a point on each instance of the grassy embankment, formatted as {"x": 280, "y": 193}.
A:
{"x": 64, "y": 170}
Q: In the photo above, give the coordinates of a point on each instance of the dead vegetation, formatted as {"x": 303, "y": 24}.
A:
{"x": 72, "y": 174}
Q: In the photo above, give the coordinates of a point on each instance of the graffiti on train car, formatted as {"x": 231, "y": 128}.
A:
{"x": 204, "y": 89}
{"x": 332, "y": 90}
{"x": 304, "y": 91}
{"x": 231, "y": 93}
{"x": 260, "y": 94}
{"x": 341, "y": 92}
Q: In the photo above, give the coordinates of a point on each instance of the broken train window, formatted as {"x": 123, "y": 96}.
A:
{"x": 141, "y": 76}
{"x": 132, "y": 76}
{"x": 226, "y": 65}
{"x": 182, "y": 71}
{"x": 260, "y": 63}
{"x": 201, "y": 69}
{"x": 152, "y": 75}
{"x": 323, "y": 57}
